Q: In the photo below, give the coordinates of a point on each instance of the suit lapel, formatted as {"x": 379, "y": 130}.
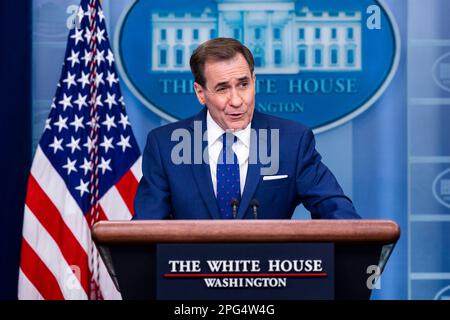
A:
{"x": 251, "y": 183}
{"x": 254, "y": 169}
{"x": 201, "y": 172}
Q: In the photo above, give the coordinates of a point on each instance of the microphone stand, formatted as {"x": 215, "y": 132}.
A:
{"x": 255, "y": 205}
{"x": 234, "y": 207}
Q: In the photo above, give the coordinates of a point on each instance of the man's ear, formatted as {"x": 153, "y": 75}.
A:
{"x": 200, "y": 93}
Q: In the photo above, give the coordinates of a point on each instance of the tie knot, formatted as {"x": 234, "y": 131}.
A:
{"x": 228, "y": 139}
{"x": 227, "y": 155}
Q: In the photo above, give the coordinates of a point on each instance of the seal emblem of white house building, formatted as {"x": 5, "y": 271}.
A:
{"x": 317, "y": 62}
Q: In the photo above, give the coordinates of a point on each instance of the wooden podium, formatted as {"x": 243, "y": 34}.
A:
{"x": 129, "y": 249}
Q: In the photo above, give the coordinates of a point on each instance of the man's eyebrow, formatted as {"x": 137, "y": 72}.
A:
{"x": 225, "y": 83}
{"x": 244, "y": 78}
{"x": 221, "y": 84}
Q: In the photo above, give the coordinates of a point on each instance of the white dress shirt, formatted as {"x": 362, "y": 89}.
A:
{"x": 241, "y": 148}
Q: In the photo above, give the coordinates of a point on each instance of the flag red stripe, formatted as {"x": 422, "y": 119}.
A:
{"x": 127, "y": 187}
{"x": 101, "y": 215}
{"x": 38, "y": 274}
{"x": 49, "y": 216}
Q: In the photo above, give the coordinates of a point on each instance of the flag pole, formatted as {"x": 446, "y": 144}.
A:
{"x": 95, "y": 292}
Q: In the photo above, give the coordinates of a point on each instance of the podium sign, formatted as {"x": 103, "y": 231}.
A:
{"x": 231, "y": 260}
{"x": 263, "y": 271}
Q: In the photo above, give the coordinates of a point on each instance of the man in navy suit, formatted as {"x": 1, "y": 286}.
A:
{"x": 230, "y": 161}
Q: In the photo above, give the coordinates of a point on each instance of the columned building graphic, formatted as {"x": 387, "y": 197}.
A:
{"x": 282, "y": 39}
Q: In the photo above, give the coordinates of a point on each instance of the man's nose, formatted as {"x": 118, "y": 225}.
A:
{"x": 235, "y": 98}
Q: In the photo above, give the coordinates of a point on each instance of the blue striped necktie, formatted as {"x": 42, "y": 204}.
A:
{"x": 228, "y": 179}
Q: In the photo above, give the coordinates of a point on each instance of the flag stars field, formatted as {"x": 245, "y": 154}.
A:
{"x": 86, "y": 158}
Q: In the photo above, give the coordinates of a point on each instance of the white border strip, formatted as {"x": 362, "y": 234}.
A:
{"x": 429, "y": 101}
{"x": 430, "y": 275}
{"x": 429, "y": 217}
{"x": 429, "y": 159}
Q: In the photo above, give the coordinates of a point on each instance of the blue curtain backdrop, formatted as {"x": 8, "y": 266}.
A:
{"x": 393, "y": 159}
{"x": 15, "y": 132}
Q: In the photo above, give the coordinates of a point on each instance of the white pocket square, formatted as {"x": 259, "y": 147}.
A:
{"x": 278, "y": 177}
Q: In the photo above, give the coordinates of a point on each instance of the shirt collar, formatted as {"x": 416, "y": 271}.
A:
{"x": 215, "y": 131}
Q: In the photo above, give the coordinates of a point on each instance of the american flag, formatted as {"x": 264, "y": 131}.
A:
{"x": 86, "y": 168}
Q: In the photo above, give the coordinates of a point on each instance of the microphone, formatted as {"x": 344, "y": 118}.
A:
{"x": 234, "y": 207}
{"x": 255, "y": 204}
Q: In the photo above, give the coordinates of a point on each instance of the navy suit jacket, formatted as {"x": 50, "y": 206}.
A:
{"x": 185, "y": 191}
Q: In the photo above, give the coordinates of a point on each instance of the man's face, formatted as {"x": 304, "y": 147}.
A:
{"x": 229, "y": 93}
